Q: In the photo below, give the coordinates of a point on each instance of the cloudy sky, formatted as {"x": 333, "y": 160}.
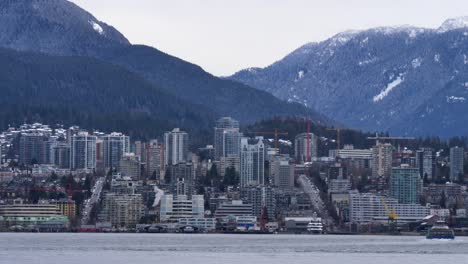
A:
{"x": 224, "y": 36}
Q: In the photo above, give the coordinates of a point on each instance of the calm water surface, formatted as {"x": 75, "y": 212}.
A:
{"x": 226, "y": 249}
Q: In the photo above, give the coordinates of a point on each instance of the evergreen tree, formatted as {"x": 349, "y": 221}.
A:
{"x": 231, "y": 177}
{"x": 168, "y": 176}
{"x": 443, "y": 200}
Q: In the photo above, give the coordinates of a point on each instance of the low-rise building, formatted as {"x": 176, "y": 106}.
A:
{"x": 369, "y": 207}
{"x": 130, "y": 166}
{"x": 122, "y": 210}
{"x": 339, "y": 186}
{"x": 233, "y": 208}
{"x": 259, "y": 197}
{"x": 66, "y": 207}
{"x": 174, "y": 208}
{"x": 449, "y": 193}
{"x": 27, "y": 215}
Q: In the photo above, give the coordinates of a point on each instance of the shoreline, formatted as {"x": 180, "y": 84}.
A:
{"x": 228, "y": 233}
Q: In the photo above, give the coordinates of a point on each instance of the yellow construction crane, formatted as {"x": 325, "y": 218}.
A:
{"x": 275, "y": 133}
{"x": 392, "y": 215}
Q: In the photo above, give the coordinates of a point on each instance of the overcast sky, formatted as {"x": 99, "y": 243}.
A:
{"x": 224, "y": 36}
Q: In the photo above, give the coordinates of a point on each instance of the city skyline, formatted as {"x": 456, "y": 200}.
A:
{"x": 224, "y": 37}
{"x": 123, "y": 117}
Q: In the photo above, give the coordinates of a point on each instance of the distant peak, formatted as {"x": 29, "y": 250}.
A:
{"x": 410, "y": 30}
{"x": 454, "y": 23}
{"x": 345, "y": 36}
{"x": 252, "y": 70}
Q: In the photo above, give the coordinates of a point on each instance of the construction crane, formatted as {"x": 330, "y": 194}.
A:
{"x": 307, "y": 122}
{"x": 379, "y": 138}
{"x": 275, "y": 133}
{"x": 338, "y": 136}
{"x": 70, "y": 192}
{"x": 392, "y": 215}
{"x": 308, "y": 139}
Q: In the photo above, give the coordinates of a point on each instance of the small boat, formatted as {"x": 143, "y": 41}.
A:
{"x": 315, "y": 226}
{"x": 440, "y": 230}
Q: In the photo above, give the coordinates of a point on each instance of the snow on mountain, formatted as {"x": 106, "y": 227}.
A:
{"x": 300, "y": 75}
{"x": 416, "y": 63}
{"x": 388, "y": 89}
{"x": 411, "y": 31}
{"x": 454, "y": 23}
{"x": 405, "y": 80}
{"x": 97, "y": 27}
{"x": 56, "y": 27}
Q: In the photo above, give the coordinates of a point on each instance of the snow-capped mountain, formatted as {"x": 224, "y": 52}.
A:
{"x": 56, "y": 27}
{"x": 405, "y": 80}
{"x": 454, "y": 23}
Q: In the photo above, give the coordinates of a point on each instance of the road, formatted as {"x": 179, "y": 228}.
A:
{"x": 315, "y": 199}
{"x": 93, "y": 200}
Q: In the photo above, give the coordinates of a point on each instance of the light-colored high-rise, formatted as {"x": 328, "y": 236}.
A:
{"x": 83, "y": 151}
{"x": 252, "y": 170}
{"x": 425, "y": 161}
{"x": 226, "y": 138}
{"x": 182, "y": 179}
{"x": 282, "y": 173}
{"x": 301, "y": 151}
{"x": 382, "y": 160}
{"x": 456, "y": 163}
{"x": 154, "y": 159}
{"x": 115, "y": 145}
{"x": 176, "y": 147}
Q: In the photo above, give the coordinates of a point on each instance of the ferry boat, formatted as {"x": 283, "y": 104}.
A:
{"x": 440, "y": 230}
{"x": 315, "y": 226}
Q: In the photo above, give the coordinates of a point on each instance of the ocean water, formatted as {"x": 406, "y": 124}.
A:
{"x": 67, "y": 248}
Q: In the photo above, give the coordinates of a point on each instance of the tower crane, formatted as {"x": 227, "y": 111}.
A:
{"x": 306, "y": 121}
{"x": 392, "y": 215}
{"x": 379, "y": 138}
{"x": 275, "y": 133}
{"x": 338, "y": 136}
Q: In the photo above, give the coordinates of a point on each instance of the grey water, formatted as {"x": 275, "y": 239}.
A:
{"x": 68, "y": 248}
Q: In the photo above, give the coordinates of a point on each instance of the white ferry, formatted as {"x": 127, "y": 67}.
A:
{"x": 315, "y": 226}
{"x": 440, "y": 230}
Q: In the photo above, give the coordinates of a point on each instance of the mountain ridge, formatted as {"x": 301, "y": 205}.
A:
{"x": 75, "y": 32}
{"x": 378, "y": 79}
{"x": 90, "y": 93}
{"x": 55, "y": 26}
